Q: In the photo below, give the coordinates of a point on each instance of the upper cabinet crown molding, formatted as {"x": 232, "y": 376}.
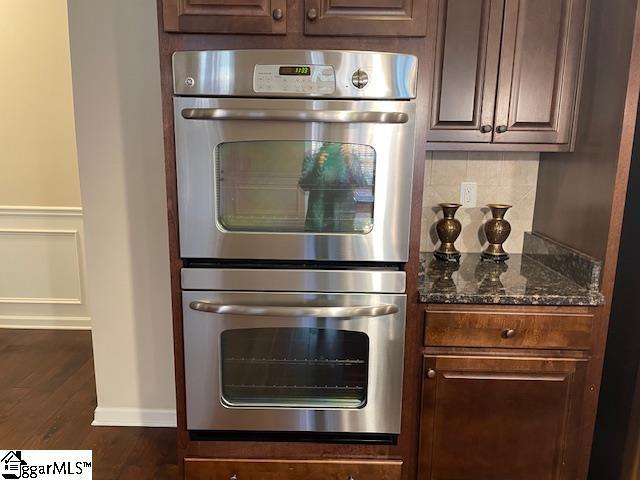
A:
{"x": 506, "y": 72}
{"x": 225, "y": 16}
{"x": 387, "y": 18}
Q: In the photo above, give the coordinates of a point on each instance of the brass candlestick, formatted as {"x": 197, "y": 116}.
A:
{"x": 497, "y": 231}
{"x": 448, "y": 230}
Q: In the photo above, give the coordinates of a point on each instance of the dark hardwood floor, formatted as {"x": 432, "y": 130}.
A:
{"x": 47, "y": 399}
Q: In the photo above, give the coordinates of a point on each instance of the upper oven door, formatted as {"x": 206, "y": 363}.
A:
{"x": 294, "y": 179}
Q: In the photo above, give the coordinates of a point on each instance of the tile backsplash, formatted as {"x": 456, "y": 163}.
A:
{"x": 502, "y": 177}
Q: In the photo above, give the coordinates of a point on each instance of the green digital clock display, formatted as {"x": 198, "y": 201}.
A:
{"x": 300, "y": 70}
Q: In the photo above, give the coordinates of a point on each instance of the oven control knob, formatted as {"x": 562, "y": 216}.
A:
{"x": 360, "y": 78}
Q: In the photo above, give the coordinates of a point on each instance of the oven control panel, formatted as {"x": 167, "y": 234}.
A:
{"x": 292, "y": 79}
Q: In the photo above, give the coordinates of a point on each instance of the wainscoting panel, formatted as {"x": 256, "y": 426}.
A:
{"x": 42, "y": 268}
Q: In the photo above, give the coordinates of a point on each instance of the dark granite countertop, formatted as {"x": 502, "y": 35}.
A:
{"x": 545, "y": 274}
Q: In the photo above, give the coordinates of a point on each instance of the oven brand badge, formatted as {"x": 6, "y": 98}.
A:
{"x": 46, "y": 464}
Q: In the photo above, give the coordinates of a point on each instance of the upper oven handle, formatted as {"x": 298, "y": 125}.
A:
{"x": 295, "y": 311}
{"x": 321, "y": 116}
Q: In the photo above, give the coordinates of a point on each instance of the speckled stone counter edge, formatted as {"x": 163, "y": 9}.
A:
{"x": 590, "y": 299}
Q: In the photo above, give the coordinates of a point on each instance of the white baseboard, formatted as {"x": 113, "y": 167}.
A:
{"x": 45, "y": 322}
{"x": 133, "y": 417}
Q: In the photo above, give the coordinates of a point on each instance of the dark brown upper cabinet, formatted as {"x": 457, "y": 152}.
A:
{"x": 466, "y": 70}
{"x": 500, "y": 418}
{"x": 385, "y": 18}
{"x": 506, "y": 73}
{"x": 539, "y": 69}
{"x": 225, "y": 16}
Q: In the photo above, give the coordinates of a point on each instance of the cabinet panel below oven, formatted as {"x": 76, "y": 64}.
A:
{"x": 214, "y": 469}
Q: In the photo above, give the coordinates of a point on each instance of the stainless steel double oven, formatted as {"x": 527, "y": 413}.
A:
{"x": 294, "y": 191}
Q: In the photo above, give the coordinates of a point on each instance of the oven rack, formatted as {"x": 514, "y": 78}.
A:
{"x": 299, "y": 387}
{"x": 298, "y": 361}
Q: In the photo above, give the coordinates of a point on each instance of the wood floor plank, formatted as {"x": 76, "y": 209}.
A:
{"x": 47, "y": 400}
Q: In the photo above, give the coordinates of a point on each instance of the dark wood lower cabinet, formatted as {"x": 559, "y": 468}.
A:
{"x": 500, "y": 418}
{"x": 269, "y": 469}
{"x": 539, "y": 329}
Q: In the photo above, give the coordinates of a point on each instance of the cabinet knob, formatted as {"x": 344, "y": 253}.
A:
{"x": 508, "y": 333}
{"x": 431, "y": 373}
{"x": 501, "y": 129}
{"x": 277, "y": 14}
{"x": 486, "y": 128}
{"x": 312, "y": 14}
{"x": 233, "y": 477}
{"x": 351, "y": 477}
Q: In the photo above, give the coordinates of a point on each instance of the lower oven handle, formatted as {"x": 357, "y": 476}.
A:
{"x": 295, "y": 311}
{"x": 321, "y": 116}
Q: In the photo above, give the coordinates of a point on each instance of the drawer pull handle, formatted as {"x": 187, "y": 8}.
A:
{"x": 508, "y": 333}
{"x": 431, "y": 373}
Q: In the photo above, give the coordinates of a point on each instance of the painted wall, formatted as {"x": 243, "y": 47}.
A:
{"x": 39, "y": 166}
{"x": 41, "y": 256}
{"x": 116, "y": 86}
{"x": 507, "y": 177}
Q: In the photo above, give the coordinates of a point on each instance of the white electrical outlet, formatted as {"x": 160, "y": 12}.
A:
{"x": 468, "y": 194}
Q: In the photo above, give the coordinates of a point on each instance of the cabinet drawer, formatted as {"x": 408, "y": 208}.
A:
{"x": 219, "y": 469}
{"x": 508, "y": 330}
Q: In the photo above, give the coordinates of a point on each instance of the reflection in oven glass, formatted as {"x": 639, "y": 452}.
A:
{"x": 295, "y": 367}
{"x": 295, "y": 186}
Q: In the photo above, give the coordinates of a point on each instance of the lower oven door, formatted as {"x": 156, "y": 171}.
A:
{"x": 294, "y": 362}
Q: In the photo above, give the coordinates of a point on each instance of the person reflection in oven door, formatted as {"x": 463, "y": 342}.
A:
{"x": 331, "y": 177}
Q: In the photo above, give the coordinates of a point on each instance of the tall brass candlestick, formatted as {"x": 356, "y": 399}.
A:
{"x": 497, "y": 231}
{"x": 448, "y": 230}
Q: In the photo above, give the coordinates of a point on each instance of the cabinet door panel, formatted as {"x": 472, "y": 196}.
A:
{"x": 395, "y": 18}
{"x": 539, "y": 70}
{"x": 465, "y": 70}
{"x": 500, "y": 418}
{"x": 225, "y": 16}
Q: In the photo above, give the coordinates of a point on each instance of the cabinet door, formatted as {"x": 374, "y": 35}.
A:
{"x": 465, "y": 70}
{"x": 395, "y": 18}
{"x": 280, "y": 469}
{"x": 500, "y": 418}
{"x": 539, "y": 69}
{"x": 225, "y": 16}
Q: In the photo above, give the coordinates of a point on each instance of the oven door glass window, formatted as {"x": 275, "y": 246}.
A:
{"x": 294, "y": 367}
{"x": 295, "y": 187}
